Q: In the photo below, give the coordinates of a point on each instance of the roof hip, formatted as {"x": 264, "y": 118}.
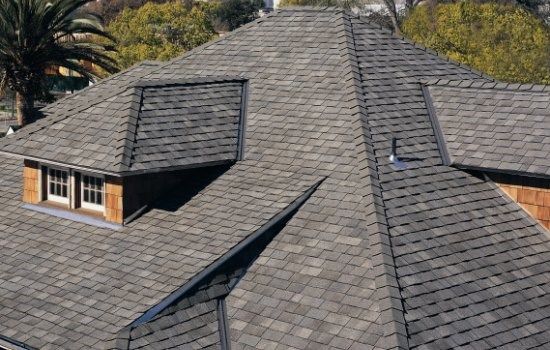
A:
{"x": 387, "y": 286}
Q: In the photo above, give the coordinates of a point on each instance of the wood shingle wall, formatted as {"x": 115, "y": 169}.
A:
{"x": 31, "y": 182}
{"x": 532, "y": 194}
{"x": 114, "y": 210}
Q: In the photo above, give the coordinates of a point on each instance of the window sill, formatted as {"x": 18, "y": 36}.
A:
{"x": 83, "y": 216}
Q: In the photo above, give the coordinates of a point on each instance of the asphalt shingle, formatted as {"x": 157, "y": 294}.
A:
{"x": 496, "y": 127}
{"x": 379, "y": 257}
{"x": 150, "y": 126}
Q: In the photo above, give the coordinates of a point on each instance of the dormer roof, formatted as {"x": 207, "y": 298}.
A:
{"x": 497, "y": 127}
{"x": 147, "y": 127}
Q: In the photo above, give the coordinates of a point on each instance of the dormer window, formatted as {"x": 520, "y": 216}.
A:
{"x": 58, "y": 185}
{"x": 72, "y": 189}
{"x": 92, "y": 192}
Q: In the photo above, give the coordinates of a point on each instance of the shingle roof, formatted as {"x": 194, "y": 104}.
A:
{"x": 469, "y": 261}
{"x": 498, "y": 127}
{"x": 150, "y": 126}
{"x": 74, "y": 286}
{"x": 429, "y": 257}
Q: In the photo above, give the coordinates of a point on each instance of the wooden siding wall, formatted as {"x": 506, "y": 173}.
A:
{"x": 124, "y": 196}
{"x": 532, "y": 194}
{"x": 31, "y": 182}
{"x": 114, "y": 209}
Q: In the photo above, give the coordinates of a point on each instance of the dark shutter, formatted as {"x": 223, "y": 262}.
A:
{"x": 44, "y": 183}
{"x": 77, "y": 184}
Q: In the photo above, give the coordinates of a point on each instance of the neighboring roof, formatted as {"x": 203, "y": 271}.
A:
{"x": 495, "y": 127}
{"x": 429, "y": 257}
{"x": 149, "y": 126}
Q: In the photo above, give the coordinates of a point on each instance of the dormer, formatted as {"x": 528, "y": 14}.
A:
{"x": 497, "y": 130}
{"x": 113, "y": 158}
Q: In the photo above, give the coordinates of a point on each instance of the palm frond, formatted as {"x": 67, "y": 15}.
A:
{"x": 36, "y": 34}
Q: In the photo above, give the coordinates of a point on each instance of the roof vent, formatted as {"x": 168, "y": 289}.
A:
{"x": 393, "y": 156}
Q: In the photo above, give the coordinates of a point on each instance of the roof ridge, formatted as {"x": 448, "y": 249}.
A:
{"x": 387, "y": 287}
{"x": 421, "y": 46}
{"x": 487, "y": 85}
{"x": 130, "y": 129}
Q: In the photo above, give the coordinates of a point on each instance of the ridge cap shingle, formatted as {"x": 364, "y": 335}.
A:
{"x": 128, "y": 128}
{"x": 387, "y": 285}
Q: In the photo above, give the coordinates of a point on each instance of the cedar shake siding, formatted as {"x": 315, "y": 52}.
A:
{"x": 114, "y": 207}
{"x": 531, "y": 193}
{"x": 31, "y": 182}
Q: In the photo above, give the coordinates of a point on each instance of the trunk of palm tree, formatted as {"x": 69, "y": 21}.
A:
{"x": 24, "y": 105}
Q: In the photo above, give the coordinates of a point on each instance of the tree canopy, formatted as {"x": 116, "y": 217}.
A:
{"x": 504, "y": 41}
{"x": 234, "y": 13}
{"x": 160, "y": 31}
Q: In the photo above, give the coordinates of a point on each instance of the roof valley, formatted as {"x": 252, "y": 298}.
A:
{"x": 388, "y": 292}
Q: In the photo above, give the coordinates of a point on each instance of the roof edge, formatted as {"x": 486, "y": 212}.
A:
{"x": 118, "y": 174}
{"x": 13, "y": 344}
{"x": 392, "y": 316}
{"x": 500, "y": 171}
{"x": 486, "y": 85}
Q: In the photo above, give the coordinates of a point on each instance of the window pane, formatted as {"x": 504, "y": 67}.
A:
{"x": 92, "y": 189}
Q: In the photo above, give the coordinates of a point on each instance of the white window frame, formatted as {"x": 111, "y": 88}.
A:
{"x": 91, "y": 206}
{"x": 53, "y": 197}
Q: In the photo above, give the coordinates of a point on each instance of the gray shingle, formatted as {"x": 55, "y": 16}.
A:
{"x": 494, "y": 127}
{"x": 150, "y": 126}
{"x": 379, "y": 258}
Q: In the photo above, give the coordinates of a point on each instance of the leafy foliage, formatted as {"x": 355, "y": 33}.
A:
{"x": 505, "y": 41}
{"x": 234, "y": 13}
{"x": 159, "y": 31}
{"x": 38, "y": 34}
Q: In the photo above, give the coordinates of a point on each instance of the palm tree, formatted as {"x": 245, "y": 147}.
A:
{"x": 38, "y": 34}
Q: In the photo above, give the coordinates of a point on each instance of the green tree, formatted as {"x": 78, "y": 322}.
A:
{"x": 234, "y": 13}
{"x": 38, "y": 34}
{"x": 504, "y": 41}
{"x": 159, "y": 31}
